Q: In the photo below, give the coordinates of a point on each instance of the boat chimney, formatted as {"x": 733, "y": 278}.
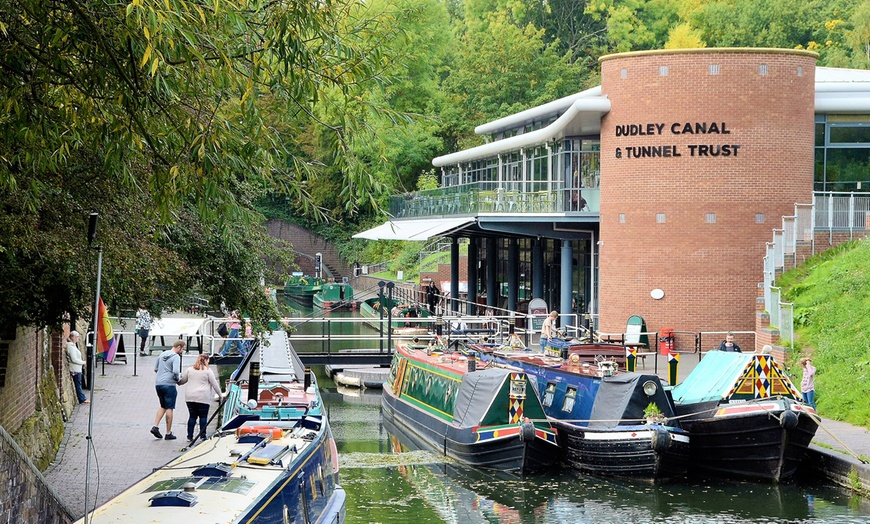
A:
{"x": 307, "y": 382}
{"x": 254, "y": 382}
{"x": 472, "y": 364}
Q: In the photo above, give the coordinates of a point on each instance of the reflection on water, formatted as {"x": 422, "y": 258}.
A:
{"x": 387, "y": 483}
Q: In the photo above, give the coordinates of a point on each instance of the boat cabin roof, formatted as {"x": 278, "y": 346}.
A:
{"x": 724, "y": 375}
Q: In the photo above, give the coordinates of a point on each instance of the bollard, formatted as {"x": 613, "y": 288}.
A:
{"x": 673, "y": 365}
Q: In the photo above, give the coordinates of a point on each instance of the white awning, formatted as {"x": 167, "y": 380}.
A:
{"x": 419, "y": 229}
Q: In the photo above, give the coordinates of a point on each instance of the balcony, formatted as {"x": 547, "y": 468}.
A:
{"x": 489, "y": 197}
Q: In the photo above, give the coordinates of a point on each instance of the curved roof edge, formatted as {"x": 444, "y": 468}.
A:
{"x": 711, "y": 50}
{"x": 554, "y": 107}
{"x": 594, "y": 105}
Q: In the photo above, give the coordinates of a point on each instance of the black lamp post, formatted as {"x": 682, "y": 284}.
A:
{"x": 92, "y": 233}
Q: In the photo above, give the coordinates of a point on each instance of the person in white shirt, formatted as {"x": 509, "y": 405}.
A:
{"x": 143, "y": 326}
{"x": 548, "y": 329}
{"x": 74, "y": 358}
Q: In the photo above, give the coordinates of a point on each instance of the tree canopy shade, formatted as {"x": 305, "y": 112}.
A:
{"x": 150, "y": 113}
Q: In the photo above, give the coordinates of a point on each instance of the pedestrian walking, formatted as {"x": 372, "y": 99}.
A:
{"x": 168, "y": 369}
{"x": 235, "y": 327}
{"x": 200, "y": 382}
{"x": 143, "y": 326}
{"x": 75, "y": 360}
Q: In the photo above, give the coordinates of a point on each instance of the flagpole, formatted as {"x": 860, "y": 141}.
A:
{"x": 92, "y": 232}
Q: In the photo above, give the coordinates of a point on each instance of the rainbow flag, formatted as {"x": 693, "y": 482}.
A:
{"x": 107, "y": 343}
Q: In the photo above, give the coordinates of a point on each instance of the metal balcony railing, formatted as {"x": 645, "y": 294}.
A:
{"x": 489, "y": 197}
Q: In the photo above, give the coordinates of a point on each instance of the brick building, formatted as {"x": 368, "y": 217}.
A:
{"x": 657, "y": 192}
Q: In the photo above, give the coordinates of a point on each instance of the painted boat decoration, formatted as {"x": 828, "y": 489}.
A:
{"x": 300, "y": 289}
{"x": 401, "y": 315}
{"x": 599, "y": 412}
{"x": 273, "y": 460}
{"x": 334, "y": 296}
{"x": 490, "y": 418}
{"x": 745, "y": 416}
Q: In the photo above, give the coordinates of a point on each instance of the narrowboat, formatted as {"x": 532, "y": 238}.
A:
{"x": 488, "y": 418}
{"x": 746, "y": 418}
{"x": 401, "y": 315}
{"x": 601, "y": 413}
{"x": 272, "y": 460}
{"x": 300, "y": 289}
{"x": 333, "y": 296}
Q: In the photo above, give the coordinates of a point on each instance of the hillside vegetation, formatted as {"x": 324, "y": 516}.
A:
{"x": 831, "y": 296}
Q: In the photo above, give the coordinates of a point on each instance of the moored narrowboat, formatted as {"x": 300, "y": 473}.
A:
{"x": 745, "y": 417}
{"x": 488, "y": 418}
{"x": 600, "y": 412}
{"x": 272, "y": 460}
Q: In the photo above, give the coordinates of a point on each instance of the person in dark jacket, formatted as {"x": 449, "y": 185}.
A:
{"x": 728, "y": 344}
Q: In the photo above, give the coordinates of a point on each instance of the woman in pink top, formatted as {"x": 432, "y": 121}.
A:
{"x": 201, "y": 382}
{"x": 808, "y": 386}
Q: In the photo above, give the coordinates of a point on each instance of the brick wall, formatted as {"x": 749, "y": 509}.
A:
{"x": 25, "y": 495}
{"x": 709, "y": 271}
{"x": 304, "y": 241}
{"x": 18, "y": 395}
{"x": 31, "y": 426}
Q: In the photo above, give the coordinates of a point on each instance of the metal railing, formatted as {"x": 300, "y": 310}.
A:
{"x": 831, "y": 212}
{"x": 493, "y": 197}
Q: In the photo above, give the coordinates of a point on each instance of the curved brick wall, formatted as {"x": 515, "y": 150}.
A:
{"x": 688, "y": 143}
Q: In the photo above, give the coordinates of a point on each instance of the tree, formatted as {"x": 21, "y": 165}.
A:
{"x": 151, "y": 113}
{"x": 501, "y": 69}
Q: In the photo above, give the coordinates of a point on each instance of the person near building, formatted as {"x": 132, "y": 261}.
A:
{"x": 143, "y": 326}
{"x": 432, "y": 296}
{"x": 75, "y": 360}
{"x": 201, "y": 382}
{"x": 728, "y": 344}
{"x": 808, "y": 382}
{"x": 168, "y": 369}
{"x": 548, "y": 329}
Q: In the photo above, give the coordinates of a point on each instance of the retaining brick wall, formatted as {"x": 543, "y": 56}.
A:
{"x": 304, "y": 241}
{"x": 31, "y": 425}
{"x": 24, "y": 494}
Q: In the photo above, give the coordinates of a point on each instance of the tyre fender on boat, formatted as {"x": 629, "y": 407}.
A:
{"x": 527, "y": 431}
{"x": 788, "y": 419}
{"x": 661, "y": 440}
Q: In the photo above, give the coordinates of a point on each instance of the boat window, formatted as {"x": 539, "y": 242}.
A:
{"x": 549, "y": 394}
{"x": 570, "y": 395}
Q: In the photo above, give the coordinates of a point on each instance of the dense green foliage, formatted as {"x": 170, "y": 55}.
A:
{"x": 182, "y": 122}
{"x": 831, "y": 296}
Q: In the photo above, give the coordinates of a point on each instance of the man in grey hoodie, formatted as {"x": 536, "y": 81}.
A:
{"x": 168, "y": 369}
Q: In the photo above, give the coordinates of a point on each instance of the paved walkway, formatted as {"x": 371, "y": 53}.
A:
{"x": 124, "y": 406}
{"x": 124, "y": 451}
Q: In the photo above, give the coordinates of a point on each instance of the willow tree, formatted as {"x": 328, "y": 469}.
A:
{"x": 151, "y": 113}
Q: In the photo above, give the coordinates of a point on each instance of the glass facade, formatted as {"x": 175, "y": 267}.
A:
{"x": 842, "y": 156}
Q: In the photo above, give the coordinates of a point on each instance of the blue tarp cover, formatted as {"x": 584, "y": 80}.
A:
{"x": 713, "y": 378}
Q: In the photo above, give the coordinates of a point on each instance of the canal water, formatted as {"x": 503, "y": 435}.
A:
{"x": 387, "y": 483}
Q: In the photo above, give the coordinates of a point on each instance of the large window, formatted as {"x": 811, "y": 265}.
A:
{"x": 842, "y": 153}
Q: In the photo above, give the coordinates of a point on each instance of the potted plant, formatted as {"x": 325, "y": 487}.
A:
{"x": 653, "y": 414}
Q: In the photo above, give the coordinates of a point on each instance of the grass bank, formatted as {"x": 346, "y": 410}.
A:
{"x": 831, "y": 296}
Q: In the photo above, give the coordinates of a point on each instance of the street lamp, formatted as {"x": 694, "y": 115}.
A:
{"x": 92, "y": 234}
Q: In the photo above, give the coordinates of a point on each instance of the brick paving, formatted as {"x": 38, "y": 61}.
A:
{"x": 124, "y": 451}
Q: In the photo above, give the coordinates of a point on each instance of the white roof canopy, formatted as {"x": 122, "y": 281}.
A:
{"x": 420, "y": 229}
